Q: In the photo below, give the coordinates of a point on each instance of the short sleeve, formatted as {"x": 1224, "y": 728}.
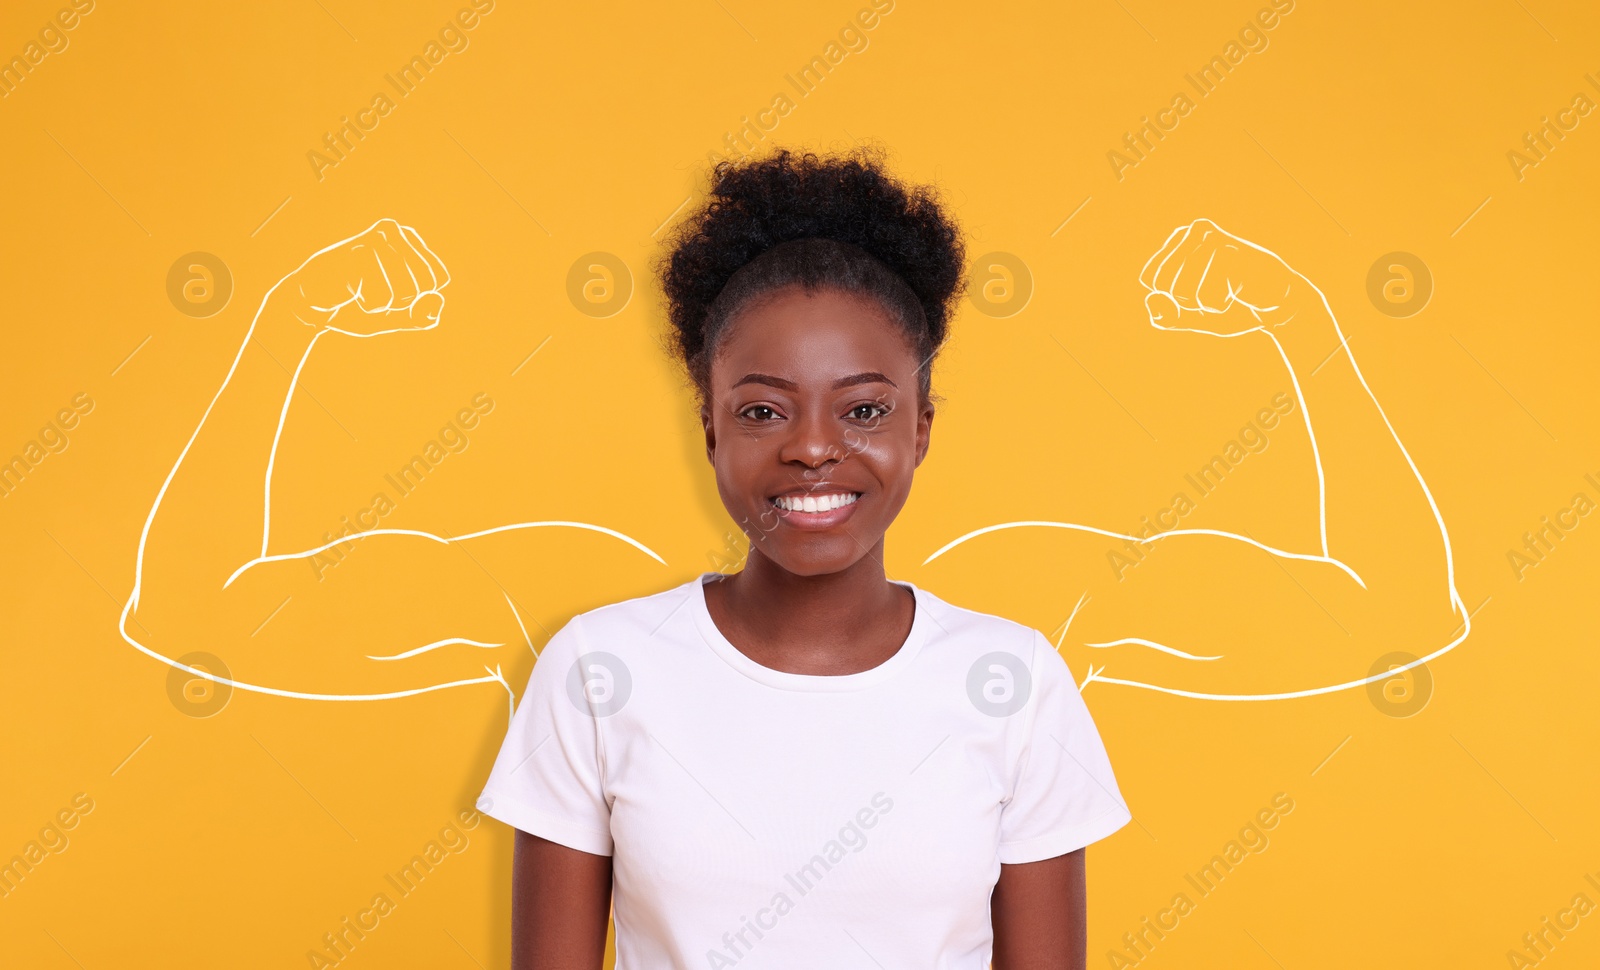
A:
{"x": 547, "y": 779}
{"x": 1064, "y": 794}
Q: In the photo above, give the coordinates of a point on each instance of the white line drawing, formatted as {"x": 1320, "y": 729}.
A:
{"x": 1254, "y": 279}
{"x": 448, "y": 641}
{"x": 1160, "y": 276}
{"x": 308, "y": 553}
{"x": 1141, "y": 641}
{"x": 356, "y": 272}
{"x": 1082, "y": 599}
{"x": 1281, "y": 553}
{"x": 520, "y": 625}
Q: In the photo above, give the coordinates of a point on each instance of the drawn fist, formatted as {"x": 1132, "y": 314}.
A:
{"x": 1206, "y": 280}
{"x": 382, "y": 280}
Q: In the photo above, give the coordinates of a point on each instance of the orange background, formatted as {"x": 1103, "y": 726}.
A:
{"x": 1360, "y": 129}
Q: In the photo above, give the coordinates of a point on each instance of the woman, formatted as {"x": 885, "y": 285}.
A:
{"x": 805, "y": 762}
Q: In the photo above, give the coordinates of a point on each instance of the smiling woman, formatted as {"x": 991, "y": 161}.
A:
{"x": 690, "y": 748}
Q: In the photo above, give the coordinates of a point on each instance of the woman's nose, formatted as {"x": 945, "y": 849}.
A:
{"x": 814, "y": 438}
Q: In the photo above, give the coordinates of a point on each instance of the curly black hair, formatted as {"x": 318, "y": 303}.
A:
{"x": 840, "y": 221}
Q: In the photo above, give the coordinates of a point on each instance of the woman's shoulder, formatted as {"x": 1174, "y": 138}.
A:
{"x": 980, "y": 644}
{"x": 976, "y": 628}
{"x": 624, "y": 620}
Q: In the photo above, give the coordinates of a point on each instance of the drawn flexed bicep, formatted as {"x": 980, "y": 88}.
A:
{"x": 1222, "y": 613}
{"x": 417, "y": 610}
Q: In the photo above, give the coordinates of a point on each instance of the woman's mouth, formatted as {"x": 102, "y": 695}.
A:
{"x": 815, "y": 510}
{"x": 814, "y": 502}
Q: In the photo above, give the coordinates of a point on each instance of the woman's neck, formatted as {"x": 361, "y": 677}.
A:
{"x": 828, "y": 624}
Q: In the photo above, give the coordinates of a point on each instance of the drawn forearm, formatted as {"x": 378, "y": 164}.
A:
{"x": 224, "y": 465}
{"x": 1373, "y": 509}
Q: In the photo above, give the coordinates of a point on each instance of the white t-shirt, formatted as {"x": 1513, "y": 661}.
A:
{"x": 758, "y": 818}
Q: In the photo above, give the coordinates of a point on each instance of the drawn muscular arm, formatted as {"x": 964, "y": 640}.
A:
{"x": 1374, "y": 513}
{"x": 206, "y": 578}
{"x": 1380, "y": 577}
{"x": 1222, "y": 611}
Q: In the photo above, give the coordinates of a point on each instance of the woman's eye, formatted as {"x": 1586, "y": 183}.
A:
{"x": 758, "y": 411}
{"x": 867, "y": 412}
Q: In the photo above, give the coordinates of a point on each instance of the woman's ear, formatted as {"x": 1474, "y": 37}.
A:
{"x": 711, "y": 434}
{"x": 924, "y": 432}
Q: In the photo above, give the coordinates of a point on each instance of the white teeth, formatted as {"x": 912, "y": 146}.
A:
{"x": 815, "y": 503}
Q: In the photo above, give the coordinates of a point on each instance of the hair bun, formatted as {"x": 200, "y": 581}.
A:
{"x": 755, "y": 204}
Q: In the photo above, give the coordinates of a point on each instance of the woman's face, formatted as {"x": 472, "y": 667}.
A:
{"x": 814, "y": 400}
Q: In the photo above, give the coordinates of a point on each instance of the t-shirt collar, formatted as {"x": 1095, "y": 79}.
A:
{"x": 784, "y": 680}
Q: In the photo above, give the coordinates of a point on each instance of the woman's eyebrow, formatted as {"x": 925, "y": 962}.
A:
{"x": 865, "y": 377}
{"x": 767, "y": 379}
